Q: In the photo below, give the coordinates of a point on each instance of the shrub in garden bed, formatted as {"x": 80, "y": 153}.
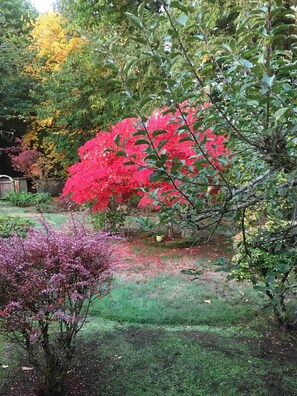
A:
{"x": 24, "y": 199}
{"x": 47, "y": 284}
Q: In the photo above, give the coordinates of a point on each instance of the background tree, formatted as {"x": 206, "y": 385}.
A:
{"x": 78, "y": 93}
{"x": 16, "y": 19}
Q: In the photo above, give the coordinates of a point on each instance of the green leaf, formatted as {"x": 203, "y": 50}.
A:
{"x": 192, "y": 272}
{"x": 280, "y": 112}
{"x": 185, "y": 139}
{"x": 139, "y": 133}
{"x": 182, "y": 19}
{"x": 131, "y": 81}
{"x": 144, "y": 101}
{"x": 128, "y": 163}
{"x": 134, "y": 20}
{"x": 112, "y": 66}
{"x": 140, "y": 39}
{"x": 121, "y": 154}
{"x": 161, "y": 144}
{"x": 231, "y": 46}
{"x": 158, "y": 132}
{"x": 268, "y": 80}
{"x": 128, "y": 66}
{"x": 141, "y": 9}
{"x": 155, "y": 57}
{"x": 247, "y": 64}
{"x": 113, "y": 48}
{"x": 259, "y": 288}
{"x": 199, "y": 37}
{"x": 155, "y": 177}
{"x": 141, "y": 141}
{"x": 117, "y": 140}
{"x": 180, "y": 6}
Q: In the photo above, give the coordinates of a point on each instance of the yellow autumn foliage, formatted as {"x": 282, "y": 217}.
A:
{"x": 51, "y": 43}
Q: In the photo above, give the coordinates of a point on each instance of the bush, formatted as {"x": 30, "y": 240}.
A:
{"x": 111, "y": 219}
{"x": 266, "y": 256}
{"x": 24, "y": 199}
{"x": 48, "y": 282}
{"x": 10, "y": 225}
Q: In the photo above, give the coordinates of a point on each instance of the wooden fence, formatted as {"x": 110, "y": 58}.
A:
{"x": 6, "y": 184}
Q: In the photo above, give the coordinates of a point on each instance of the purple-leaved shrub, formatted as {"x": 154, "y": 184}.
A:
{"x": 47, "y": 284}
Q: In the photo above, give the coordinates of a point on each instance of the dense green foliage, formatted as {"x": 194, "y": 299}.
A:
{"x": 267, "y": 255}
{"x": 24, "y": 199}
{"x": 15, "y": 24}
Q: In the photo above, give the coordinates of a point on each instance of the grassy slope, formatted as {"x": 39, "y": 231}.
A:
{"x": 183, "y": 344}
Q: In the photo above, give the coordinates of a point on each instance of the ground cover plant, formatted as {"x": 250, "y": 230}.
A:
{"x": 48, "y": 281}
{"x": 34, "y": 214}
{"x": 10, "y": 225}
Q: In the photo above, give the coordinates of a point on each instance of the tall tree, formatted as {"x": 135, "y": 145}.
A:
{"x": 16, "y": 18}
{"x": 15, "y": 24}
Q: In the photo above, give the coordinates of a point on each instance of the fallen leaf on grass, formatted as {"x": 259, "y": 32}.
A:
{"x": 25, "y": 368}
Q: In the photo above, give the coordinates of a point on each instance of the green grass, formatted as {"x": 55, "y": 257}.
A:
{"x": 159, "y": 337}
{"x": 175, "y": 301}
{"x": 53, "y": 218}
{"x": 138, "y": 361}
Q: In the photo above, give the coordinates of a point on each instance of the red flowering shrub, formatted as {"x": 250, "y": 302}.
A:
{"x": 47, "y": 284}
{"x": 164, "y": 142}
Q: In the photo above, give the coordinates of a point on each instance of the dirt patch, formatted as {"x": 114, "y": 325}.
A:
{"x": 142, "y": 337}
{"x": 271, "y": 345}
{"x": 84, "y": 372}
{"x": 138, "y": 258}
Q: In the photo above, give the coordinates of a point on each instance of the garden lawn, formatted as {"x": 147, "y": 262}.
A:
{"x": 159, "y": 333}
{"x": 29, "y": 212}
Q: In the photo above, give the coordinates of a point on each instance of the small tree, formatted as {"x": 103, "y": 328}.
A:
{"x": 105, "y": 171}
{"x": 48, "y": 282}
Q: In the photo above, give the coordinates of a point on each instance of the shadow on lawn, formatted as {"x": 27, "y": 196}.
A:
{"x": 141, "y": 361}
